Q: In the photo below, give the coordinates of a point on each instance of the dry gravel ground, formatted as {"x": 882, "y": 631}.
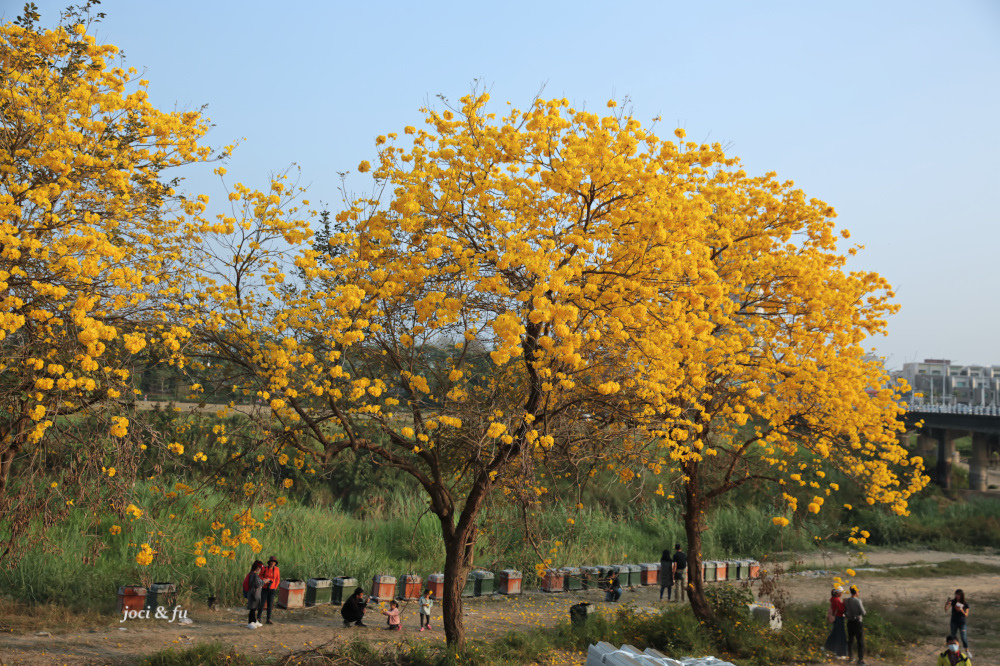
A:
{"x": 922, "y": 599}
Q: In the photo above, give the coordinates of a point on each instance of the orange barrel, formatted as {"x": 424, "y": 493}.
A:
{"x": 409, "y": 586}
{"x": 131, "y": 597}
{"x": 754, "y": 569}
{"x": 720, "y": 570}
{"x": 383, "y": 588}
{"x": 509, "y": 582}
{"x": 436, "y": 582}
{"x": 650, "y": 573}
{"x": 552, "y": 581}
{"x": 292, "y": 594}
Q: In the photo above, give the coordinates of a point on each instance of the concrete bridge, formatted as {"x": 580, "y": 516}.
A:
{"x": 942, "y": 425}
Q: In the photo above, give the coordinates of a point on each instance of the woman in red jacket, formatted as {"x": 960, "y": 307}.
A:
{"x": 272, "y": 578}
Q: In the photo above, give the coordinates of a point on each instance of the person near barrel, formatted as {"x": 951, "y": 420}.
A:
{"x": 680, "y": 561}
{"x": 426, "y": 603}
{"x": 271, "y": 576}
{"x": 613, "y": 590}
{"x": 959, "y": 608}
{"x": 836, "y": 643}
{"x": 253, "y": 585}
{"x": 392, "y": 618}
{"x": 666, "y": 575}
{"x": 953, "y": 655}
{"x": 353, "y": 610}
{"x": 854, "y": 611}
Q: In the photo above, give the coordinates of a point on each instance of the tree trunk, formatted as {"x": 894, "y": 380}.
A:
{"x": 457, "y": 564}
{"x": 693, "y": 526}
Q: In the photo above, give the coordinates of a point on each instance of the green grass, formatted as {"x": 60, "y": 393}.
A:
{"x": 949, "y": 568}
{"x": 203, "y": 654}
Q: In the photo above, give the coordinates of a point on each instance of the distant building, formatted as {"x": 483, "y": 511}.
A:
{"x": 939, "y": 381}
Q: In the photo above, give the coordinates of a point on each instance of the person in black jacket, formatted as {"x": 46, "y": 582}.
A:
{"x": 680, "y": 569}
{"x": 353, "y": 609}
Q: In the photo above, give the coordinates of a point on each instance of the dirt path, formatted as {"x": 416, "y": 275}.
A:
{"x": 124, "y": 643}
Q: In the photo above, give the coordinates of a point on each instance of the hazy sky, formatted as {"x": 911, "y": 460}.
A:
{"x": 887, "y": 110}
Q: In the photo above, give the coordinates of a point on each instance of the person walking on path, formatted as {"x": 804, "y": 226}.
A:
{"x": 666, "y": 574}
{"x": 353, "y": 609}
{"x": 959, "y": 608}
{"x": 854, "y": 610}
{"x": 253, "y": 585}
{"x": 426, "y": 603}
{"x": 271, "y": 576}
{"x": 392, "y": 616}
{"x": 953, "y": 655}
{"x": 836, "y": 644}
{"x": 680, "y": 560}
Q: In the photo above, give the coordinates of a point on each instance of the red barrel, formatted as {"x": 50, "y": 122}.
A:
{"x": 383, "y": 588}
{"x": 409, "y": 586}
{"x": 510, "y": 582}
{"x": 436, "y": 582}
{"x": 292, "y": 594}
{"x": 131, "y": 597}
{"x": 552, "y": 581}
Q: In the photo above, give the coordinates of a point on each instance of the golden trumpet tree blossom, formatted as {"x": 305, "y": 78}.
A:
{"x": 555, "y": 285}
{"x": 88, "y": 248}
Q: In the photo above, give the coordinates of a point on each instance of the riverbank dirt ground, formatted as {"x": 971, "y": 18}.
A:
{"x": 914, "y": 585}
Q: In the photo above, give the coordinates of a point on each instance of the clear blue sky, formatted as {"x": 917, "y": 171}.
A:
{"x": 887, "y": 110}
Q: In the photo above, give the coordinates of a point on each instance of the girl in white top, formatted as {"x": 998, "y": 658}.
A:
{"x": 426, "y": 603}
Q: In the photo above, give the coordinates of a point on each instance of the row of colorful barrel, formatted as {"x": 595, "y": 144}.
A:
{"x": 294, "y": 593}
{"x": 636, "y": 575}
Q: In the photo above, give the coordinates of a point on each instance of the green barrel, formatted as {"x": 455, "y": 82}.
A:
{"x": 572, "y": 578}
{"x": 343, "y": 587}
{"x": 470, "y": 585}
{"x": 485, "y": 583}
{"x": 319, "y": 591}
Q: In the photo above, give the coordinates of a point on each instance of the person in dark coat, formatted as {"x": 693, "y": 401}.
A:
{"x": 353, "y": 609}
{"x": 680, "y": 570}
{"x": 254, "y": 586}
{"x": 666, "y": 574}
{"x": 613, "y": 591}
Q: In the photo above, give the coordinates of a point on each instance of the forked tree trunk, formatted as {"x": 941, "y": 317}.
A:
{"x": 693, "y": 527}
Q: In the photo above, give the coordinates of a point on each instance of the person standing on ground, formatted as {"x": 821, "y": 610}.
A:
{"x": 353, "y": 609}
{"x": 680, "y": 560}
{"x": 426, "y": 603}
{"x": 836, "y": 644}
{"x": 854, "y": 610}
{"x": 666, "y": 574}
{"x": 959, "y": 613}
{"x": 271, "y": 576}
{"x": 953, "y": 656}
{"x": 254, "y": 585}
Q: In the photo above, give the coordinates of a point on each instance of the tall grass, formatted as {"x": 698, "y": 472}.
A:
{"x": 389, "y": 531}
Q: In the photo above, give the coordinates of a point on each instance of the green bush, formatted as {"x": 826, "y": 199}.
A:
{"x": 730, "y": 602}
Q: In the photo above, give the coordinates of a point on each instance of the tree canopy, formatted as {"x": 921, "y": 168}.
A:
{"x": 555, "y": 286}
{"x": 91, "y": 234}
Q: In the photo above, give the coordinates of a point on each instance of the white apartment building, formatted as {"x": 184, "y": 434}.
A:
{"x": 941, "y": 381}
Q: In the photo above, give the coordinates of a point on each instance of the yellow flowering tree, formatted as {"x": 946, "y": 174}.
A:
{"x": 553, "y": 286}
{"x": 91, "y": 236}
